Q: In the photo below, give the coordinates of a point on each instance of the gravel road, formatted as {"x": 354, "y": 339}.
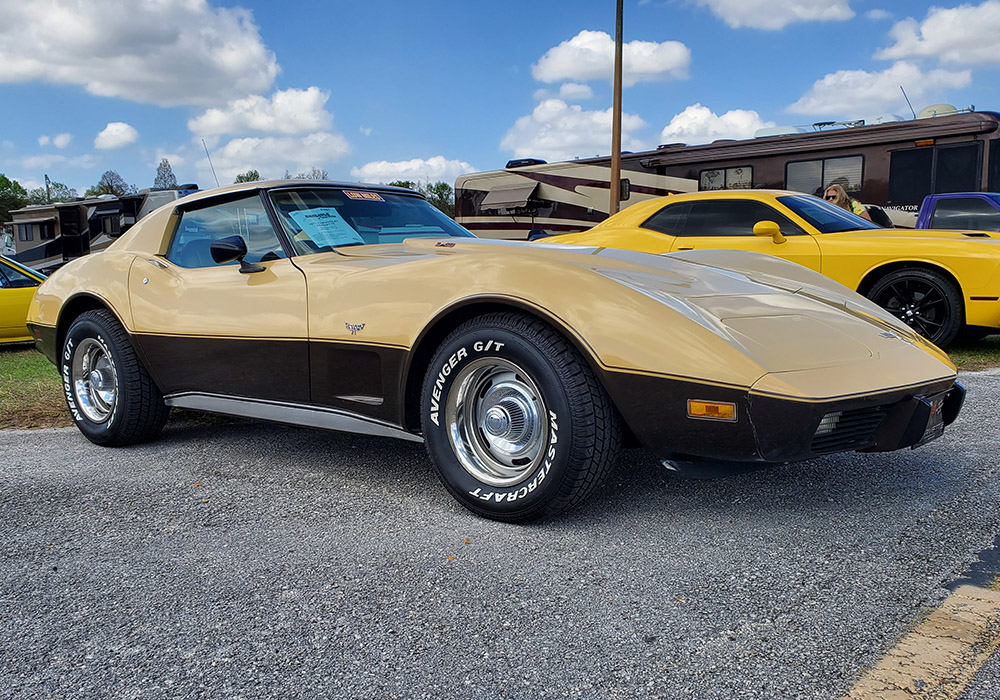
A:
{"x": 248, "y": 560}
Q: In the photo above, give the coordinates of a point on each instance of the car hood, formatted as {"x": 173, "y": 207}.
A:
{"x": 782, "y": 315}
{"x": 898, "y": 236}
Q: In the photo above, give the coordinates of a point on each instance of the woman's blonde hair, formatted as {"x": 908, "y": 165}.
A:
{"x": 842, "y": 200}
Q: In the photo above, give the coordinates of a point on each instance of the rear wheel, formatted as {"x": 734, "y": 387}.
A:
{"x": 925, "y": 300}
{"x": 516, "y": 424}
{"x": 110, "y": 395}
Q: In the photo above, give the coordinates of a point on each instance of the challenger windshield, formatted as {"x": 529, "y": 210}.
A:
{"x": 824, "y": 216}
{"x": 319, "y": 219}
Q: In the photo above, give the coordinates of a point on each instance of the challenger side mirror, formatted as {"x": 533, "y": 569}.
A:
{"x": 769, "y": 228}
{"x": 233, "y": 248}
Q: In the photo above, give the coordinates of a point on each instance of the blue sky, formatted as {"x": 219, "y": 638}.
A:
{"x": 426, "y": 91}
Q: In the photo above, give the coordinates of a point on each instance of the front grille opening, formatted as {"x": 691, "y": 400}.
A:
{"x": 840, "y": 431}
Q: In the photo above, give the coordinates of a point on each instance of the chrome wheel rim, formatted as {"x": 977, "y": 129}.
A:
{"x": 95, "y": 385}
{"x": 497, "y": 422}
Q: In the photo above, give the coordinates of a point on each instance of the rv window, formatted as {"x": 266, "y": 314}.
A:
{"x": 739, "y": 178}
{"x": 917, "y": 172}
{"x": 957, "y": 168}
{"x": 993, "y": 182}
{"x": 813, "y": 176}
{"x": 910, "y": 175}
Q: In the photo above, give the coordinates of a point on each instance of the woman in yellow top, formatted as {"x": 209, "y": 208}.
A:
{"x": 838, "y": 195}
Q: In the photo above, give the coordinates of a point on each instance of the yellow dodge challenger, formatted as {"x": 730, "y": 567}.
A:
{"x": 17, "y": 286}
{"x": 522, "y": 367}
{"x": 937, "y": 282}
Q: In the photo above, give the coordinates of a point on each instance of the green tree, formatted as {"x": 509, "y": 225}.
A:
{"x": 57, "y": 192}
{"x": 441, "y": 195}
{"x": 12, "y": 196}
{"x": 314, "y": 174}
{"x": 405, "y": 183}
{"x": 165, "y": 178}
{"x": 110, "y": 183}
{"x": 248, "y": 176}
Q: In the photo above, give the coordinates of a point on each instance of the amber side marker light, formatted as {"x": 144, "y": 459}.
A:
{"x": 924, "y": 142}
{"x": 712, "y": 410}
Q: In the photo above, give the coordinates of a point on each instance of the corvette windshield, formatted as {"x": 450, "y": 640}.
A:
{"x": 824, "y": 216}
{"x": 321, "y": 219}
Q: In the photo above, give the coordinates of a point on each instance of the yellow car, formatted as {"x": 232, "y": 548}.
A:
{"x": 17, "y": 286}
{"x": 521, "y": 366}
{"x": 937, "y": 282}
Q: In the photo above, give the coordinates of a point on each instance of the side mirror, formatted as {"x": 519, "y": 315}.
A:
{"x": 770, "y": 229}
{"x": 233, "y": 248}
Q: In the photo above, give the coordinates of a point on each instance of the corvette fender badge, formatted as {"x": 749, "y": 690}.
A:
{"x": 354, "y": 327}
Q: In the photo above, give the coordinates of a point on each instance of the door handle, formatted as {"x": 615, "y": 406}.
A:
{"x": 159, "y": 263}
{"x": 685, "y": 247}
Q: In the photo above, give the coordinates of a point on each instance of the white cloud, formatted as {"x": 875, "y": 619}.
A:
{"x": 44, "y": 161}
{"x": 272, "y": 155}
{"x": 286, "y": 112}
{"x": 698, "y": 124}
{"x": 116, "y": 135}
{"x": 558, "y": 131}
{"x": 575, "y": 91}
{"x": 366, "y": 130}
{"x": 165, "y": 53}
{"x": 848, "y": 93}
{"x": 962, "y": 35}
{"x": 590, "y": 56}
{"x": 59, "y": 140}
{"x": 434, "y": 169}
{"x": 777, "y": 14}
{"x": 878, "y": 14}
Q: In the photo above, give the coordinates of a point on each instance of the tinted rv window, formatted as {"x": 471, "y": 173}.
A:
{"x": 993, "y": 182}
{"x": 957, "y": 168}
{"x": 910, "y": 175}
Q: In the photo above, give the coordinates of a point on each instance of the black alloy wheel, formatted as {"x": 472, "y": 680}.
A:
{"x": 925, "y": 300}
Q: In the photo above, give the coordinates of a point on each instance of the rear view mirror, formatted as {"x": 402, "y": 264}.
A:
{"x": 233, "y": 248}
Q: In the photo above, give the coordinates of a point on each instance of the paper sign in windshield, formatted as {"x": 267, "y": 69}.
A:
{"x": 326, "y": 227}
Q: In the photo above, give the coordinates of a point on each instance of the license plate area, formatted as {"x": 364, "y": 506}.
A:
{"x": 935, "y": 420}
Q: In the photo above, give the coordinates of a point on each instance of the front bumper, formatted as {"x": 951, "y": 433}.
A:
{"x": 777, "y": 429}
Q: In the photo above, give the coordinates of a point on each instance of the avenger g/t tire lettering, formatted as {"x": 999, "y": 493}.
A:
{"x": 110, "y": 395}
{"x": 515, "y": 422}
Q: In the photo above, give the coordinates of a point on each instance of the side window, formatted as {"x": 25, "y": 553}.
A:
{"x": 967, "y": 213}
{"x": 12, "y": 278}
{"x": 669, "y": 220}
{"x": 244, "y": 217}
{"x": 733, "y": 218}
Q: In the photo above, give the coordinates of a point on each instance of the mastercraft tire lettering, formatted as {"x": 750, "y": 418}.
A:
{"x": 110, "y": 396}
{"x": 516, "y": 424}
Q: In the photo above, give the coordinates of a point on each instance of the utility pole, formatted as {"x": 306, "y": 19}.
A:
{"x": 616, "y": 124}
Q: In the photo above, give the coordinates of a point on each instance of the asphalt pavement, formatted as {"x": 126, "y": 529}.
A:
{"x": 249, "y": 560}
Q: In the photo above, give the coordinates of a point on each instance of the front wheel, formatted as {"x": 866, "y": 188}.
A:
{"x": 515, "y": 422}
{"x": 925, "y": 300}
{"x": 110, "y": 396}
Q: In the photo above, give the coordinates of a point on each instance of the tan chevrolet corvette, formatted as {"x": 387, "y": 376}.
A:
{"x": 523, "y": 367}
